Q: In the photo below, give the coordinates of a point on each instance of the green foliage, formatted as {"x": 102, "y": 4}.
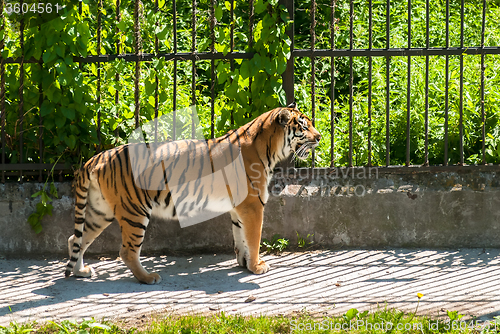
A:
{"x": 85, "y": 327}
{"x": 353, "y": 315}
{"x": 66, "y": 114}
{"x": 381, "y": 320}
{"x": 454, "y": 316}
{"x": 43, "y": 208}
{"x": 276, "y": 244}
{"x": 60, "y": 96}
{"x": 398, "y": 71}
{"x": 303, "y": 242}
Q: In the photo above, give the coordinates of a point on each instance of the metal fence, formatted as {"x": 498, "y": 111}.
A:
{"x": 23, "y": 168}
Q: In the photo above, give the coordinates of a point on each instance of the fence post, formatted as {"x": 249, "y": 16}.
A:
{"x": 287, "y": 76}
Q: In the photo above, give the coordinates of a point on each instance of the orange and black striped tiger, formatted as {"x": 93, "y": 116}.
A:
{"x": 186, "y": 180}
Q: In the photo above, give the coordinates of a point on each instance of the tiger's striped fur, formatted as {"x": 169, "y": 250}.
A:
{"x": 107, "y": 191}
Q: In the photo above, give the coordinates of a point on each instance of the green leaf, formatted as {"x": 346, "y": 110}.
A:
{"x": 149, "y": 87}
{"x": 53, "y": 190}
{"x": 260, "y": 6}
{"x": 70, "y": 141}
{"x": 257, "y": 60}
{"x": 351, "y": 314}
{"x": 151, "y": 100}
{"x": 122, "y": 25}
{"x": 68, "y": 113}
{"x": 161, "y": 32}
{"x": 268, "y": 65}
{"x": 49, "y": 56}
{"x": 38, "y": 193}
{"x": 100, "y": 326}
{"x": 60, "y": 121}
{"x": 34, "y": 221}
{"x": 244, "y": 70}
{"x": 78, "y": 95}
{"x": 218, "y": 13}
{"x": 45, "y": 198}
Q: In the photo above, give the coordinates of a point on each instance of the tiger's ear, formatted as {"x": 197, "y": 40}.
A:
{"x": 292, "y": 105}
{"x": 283, "y": 116}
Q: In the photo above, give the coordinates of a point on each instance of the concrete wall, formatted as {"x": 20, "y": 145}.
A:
{"x": 361, "y": 209}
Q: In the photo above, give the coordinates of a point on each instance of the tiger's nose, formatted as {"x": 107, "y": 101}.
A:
{"x": 317, "y": 137}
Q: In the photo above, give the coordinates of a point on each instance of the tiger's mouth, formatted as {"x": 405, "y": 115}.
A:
{"x": 302, "y": 149}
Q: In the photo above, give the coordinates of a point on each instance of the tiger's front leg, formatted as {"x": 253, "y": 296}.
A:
{"x": 247, "y": 236}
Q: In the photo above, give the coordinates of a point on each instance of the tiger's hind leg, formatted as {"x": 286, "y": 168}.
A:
{"x": 98, "y": 216}
{"x": 133, "y": 230}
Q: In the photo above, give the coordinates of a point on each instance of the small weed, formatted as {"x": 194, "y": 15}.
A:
{"x": 303, "y": 242}
{"x": 276, "y": 245}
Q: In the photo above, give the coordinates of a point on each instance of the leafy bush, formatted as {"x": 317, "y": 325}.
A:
{"x": 472, "y": 118}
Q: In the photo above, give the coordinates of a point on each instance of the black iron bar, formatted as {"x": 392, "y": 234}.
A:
{"x": 287, "y": 77}
{"x": 117, "y": 75}
{"x": 137, "y": 46}
{"x": 40, "y": 122}
{"x": 156, "y": 78}
{"x": 98, "y": 92}
{"x": 193, "y": 68}
{"x": 212, "y": 70}
{"x": 313, "y": 70}
{"x": 395, "y": 52}
{"x": 332, "y": 87}
{"x": 174, "y": 97}
{"x": 250, "y": 43}
{"x": 408, "y": 90}
{"x": 483, "y": 116}
{"x": 351, "y": 77}
{"x": 31, "y": 167}
{"x": 21, "y": 95}
{"x": 370, "y": 45}
{"x": 2, "y": 90}
{"x": 231, "y": 61}
{"x": 427, "y": 18}
{"x": 387, "y": 82}
{"x": 447, "y": 84}
{"x": 461, "y": 120}
{"x": 189, "y": 56}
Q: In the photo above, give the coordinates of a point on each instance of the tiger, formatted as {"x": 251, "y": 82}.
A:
{"x": 106, "y": 189}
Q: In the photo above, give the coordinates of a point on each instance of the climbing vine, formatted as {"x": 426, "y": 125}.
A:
{"x": 51, "y": 100}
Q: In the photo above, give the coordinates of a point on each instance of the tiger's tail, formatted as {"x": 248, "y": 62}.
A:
{"x": 81, "y": 193}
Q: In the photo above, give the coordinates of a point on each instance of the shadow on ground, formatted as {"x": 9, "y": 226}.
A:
{"x": 321, "y": 282}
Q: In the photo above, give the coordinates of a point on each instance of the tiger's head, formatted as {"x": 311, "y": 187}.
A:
{"x": 300, "y": 134}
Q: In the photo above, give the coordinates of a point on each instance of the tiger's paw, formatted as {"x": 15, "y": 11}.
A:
{"x": 260, "y": 268}
{"x": 240, "y": 258}
{"x": 87, "y": 271}
{"x": 152, "y": 278}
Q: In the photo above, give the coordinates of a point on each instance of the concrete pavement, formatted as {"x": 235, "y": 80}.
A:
{"x": 320, "y": 282}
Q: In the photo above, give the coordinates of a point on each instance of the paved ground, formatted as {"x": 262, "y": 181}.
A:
{"x": 323, "y": 283}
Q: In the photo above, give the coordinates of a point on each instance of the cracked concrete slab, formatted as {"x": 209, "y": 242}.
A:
{"x": 320, "y": 282}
